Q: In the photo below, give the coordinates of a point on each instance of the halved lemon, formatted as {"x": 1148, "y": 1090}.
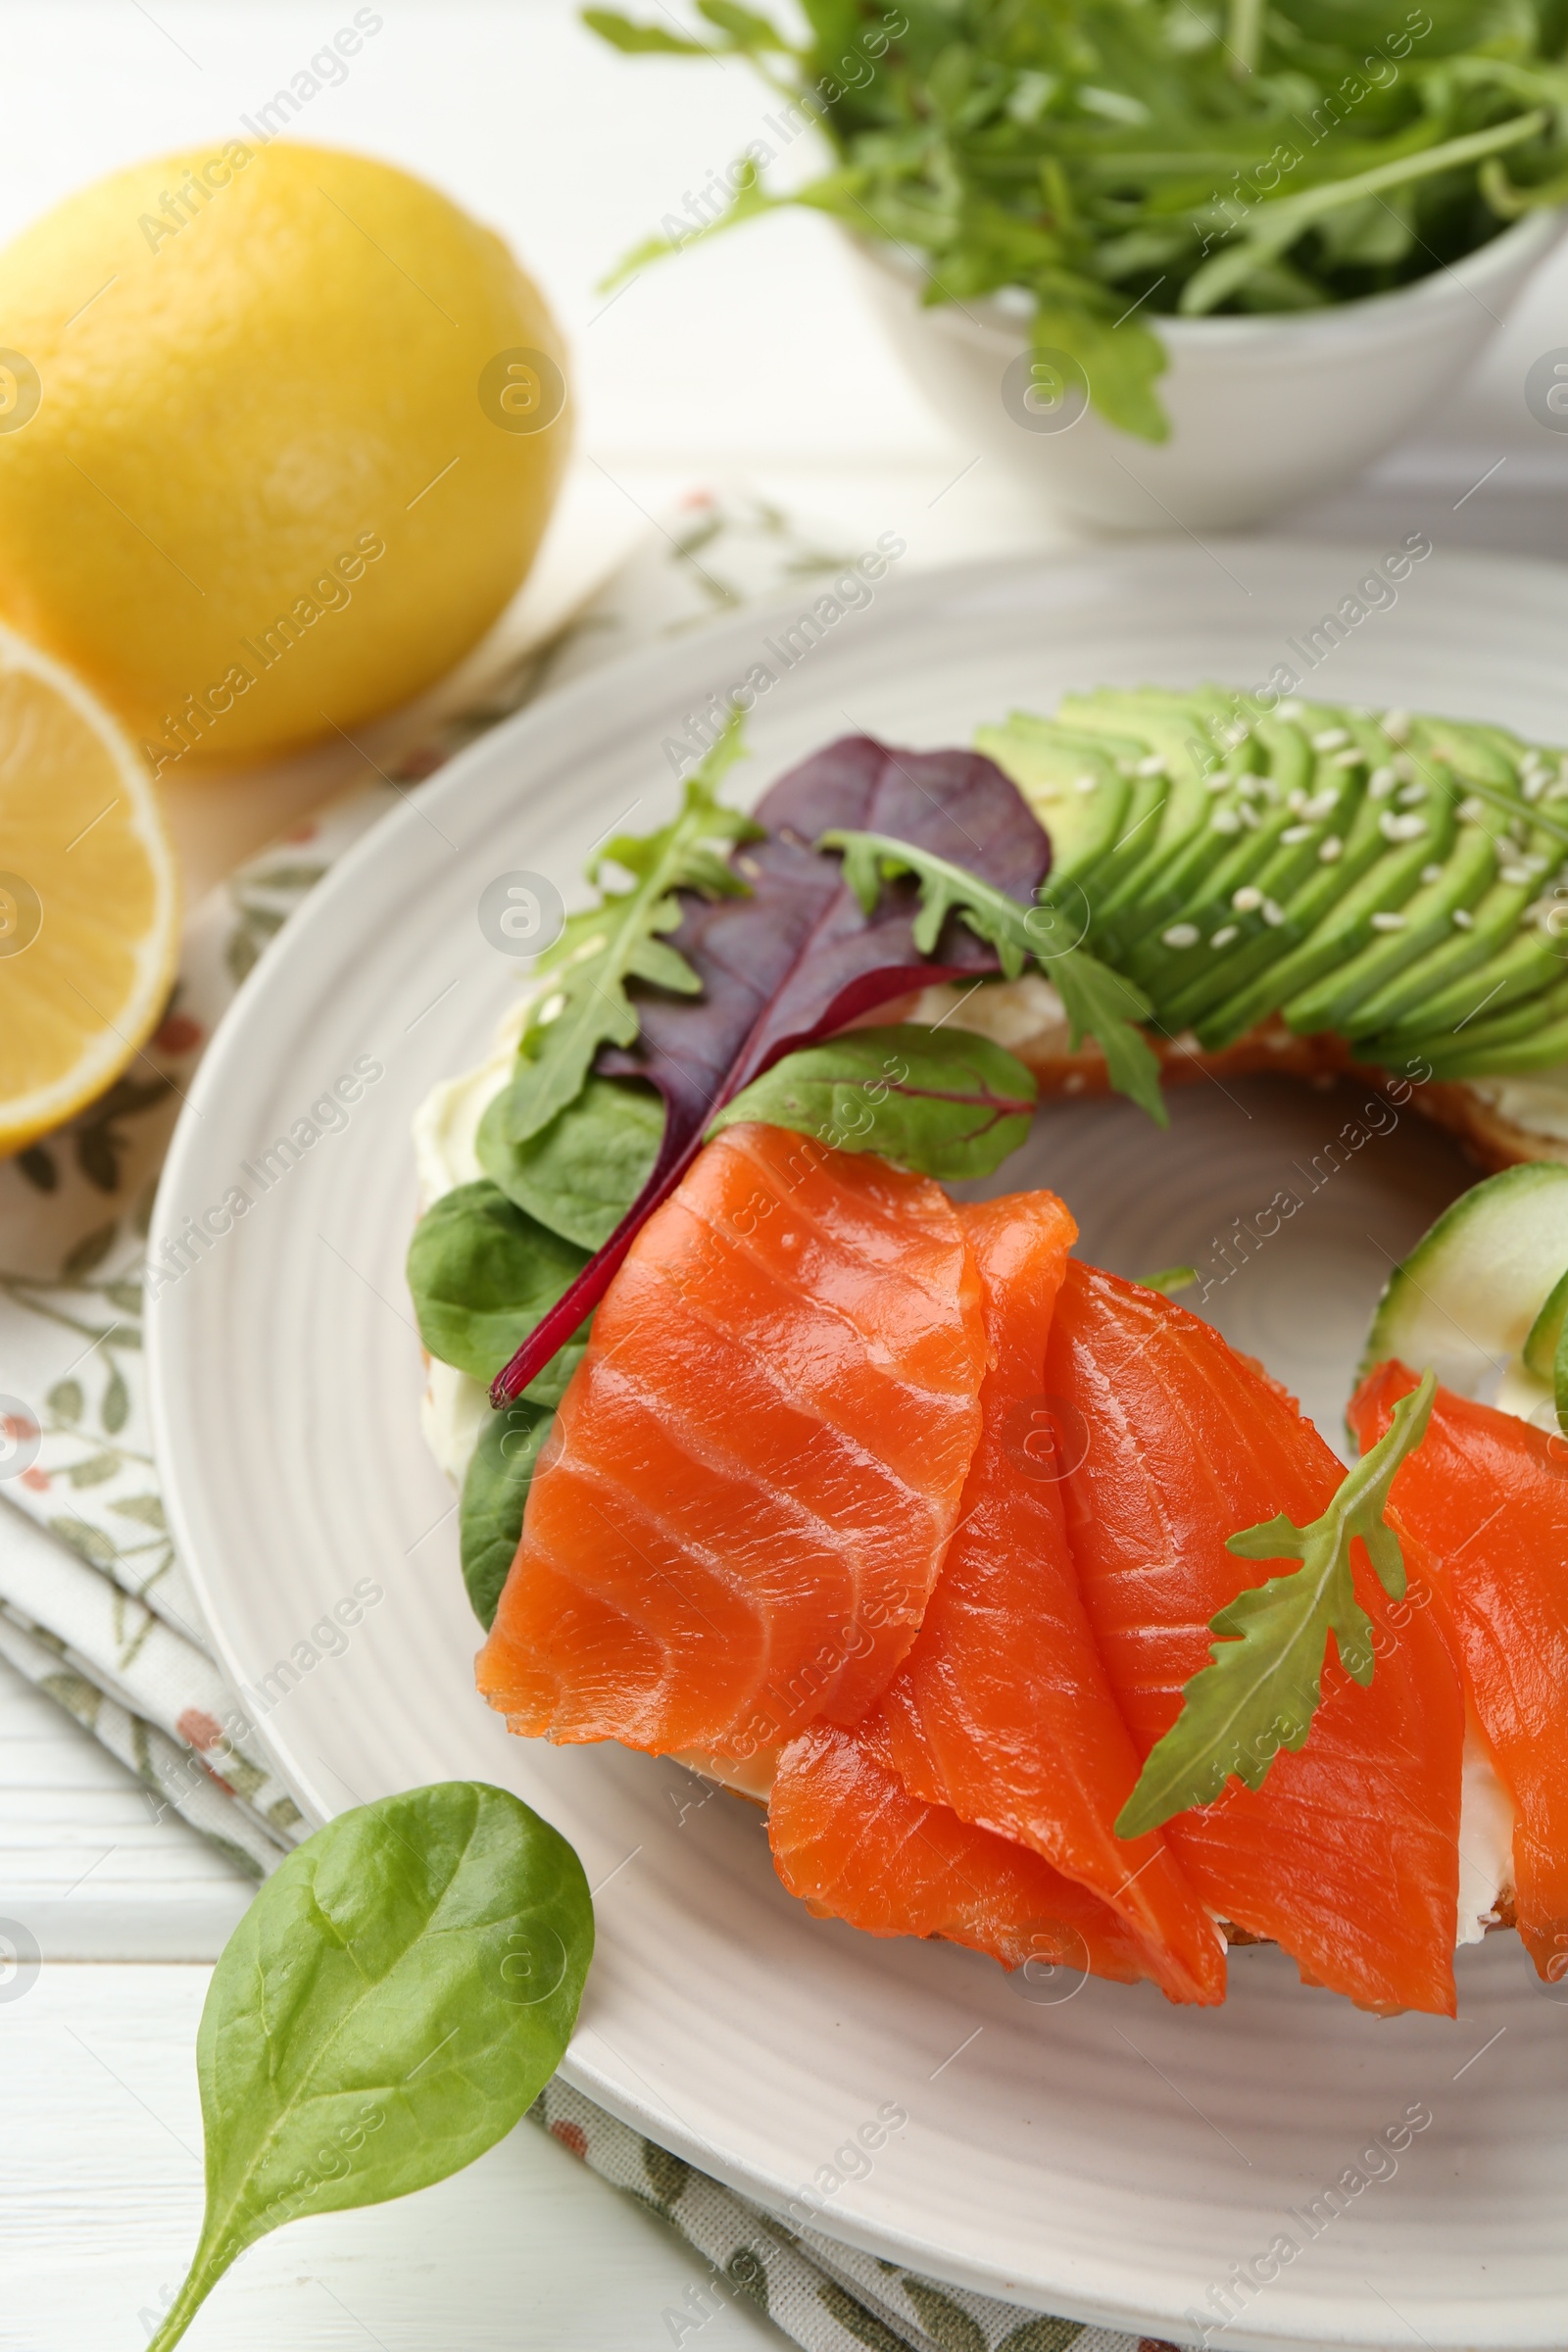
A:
{"x": 89, "y": 903}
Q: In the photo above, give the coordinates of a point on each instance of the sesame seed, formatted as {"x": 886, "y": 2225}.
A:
{"x": 1225, "y": 820}
{"x": 1402, "y": 828}
{"x": 1086, "y": 783}
{"x": 1223, "y": 937}
{"x": 1181, "y": 934}
{"x": 1273, "y": 914}
{"x": 1322, "y": 804}
{"x": 1154, "y": 765}
{"x": 1247, "y": 900}
{"x": 1517, "y": 874}
{"x": 1332, "y": 739}
{"x": 1222, "y": 781}
{"x": 1381, "y": 782}
{"x": 1292, "y": 709}
{"x": 1464, "y": 918}
{"x": 1389, "y": 921}
{"x": 1396, "y": 725}
{"x": 1432, "y": 874}
{"x": 1412, "y": 795}
{"x": 1329, "y": 848}
{"x": 1472, "y": 810}
{"x": 1295, "y": 833}
{"x": 1349, "y": 758}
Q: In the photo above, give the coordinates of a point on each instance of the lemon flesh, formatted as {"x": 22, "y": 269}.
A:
{"x": 88, "y": 900}
{"x": 280, "y": 428}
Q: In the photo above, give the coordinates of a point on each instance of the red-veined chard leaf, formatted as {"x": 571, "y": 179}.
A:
{"x": 798, "y": 958}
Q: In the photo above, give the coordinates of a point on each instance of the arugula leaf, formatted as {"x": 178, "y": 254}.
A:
{"x": 799, "y": 959}
{"x": 581, "y": 1173}
{"x": 645, "y": 40}
{"x": 1169, "y": 1280}
{"x": 1120, "y": 163}
{"x": 495, "y": 1494}
{"x": 943, "y": 1102}
{"x": 1263, "y": 1687}
{"x": 482, "y": 1272}
{"x": 602, "y": 947}
{"x": 396, "y": 1996}
{"x": 1122, "y": 364}
{"x": 1098, "y": 1003}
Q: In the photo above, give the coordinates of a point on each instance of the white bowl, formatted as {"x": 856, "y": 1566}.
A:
{"x": 1264, "y": 411}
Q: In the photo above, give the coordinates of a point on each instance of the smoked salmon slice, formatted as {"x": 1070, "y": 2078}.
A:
{"x": 1347, "y": 1855}
{"x": 744, "y": 1502}
{"x": 849, "y": 1840}
{"x": 1486, "y": 1494}
{"x": 1002, "y": 1710}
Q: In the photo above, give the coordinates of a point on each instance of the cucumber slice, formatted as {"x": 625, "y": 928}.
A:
{"x": 1544, "y": 1341}
{"x": 1466, "y": 1299}
{"x": 1073, "y": 785}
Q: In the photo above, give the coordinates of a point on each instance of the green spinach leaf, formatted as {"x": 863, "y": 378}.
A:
{"x": 581, "y": 1173}
{"x": 482, "y": 1272}
{"x": 939, "y": 1100}
{"x": 398, "y": 1993}
{"x": 495, "y": 1491}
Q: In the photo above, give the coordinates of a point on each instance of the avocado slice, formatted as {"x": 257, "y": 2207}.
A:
{"x": 1515, "y": 1022}
{"x": 1493, "y": 926}
{"x": 1545, "y": 1048}
{"x": 1233, "y": 993}
{"x": 1531, "y": 961}
{"x": 1404, "y": 933}
{"x": 1499, "y": 956}
{"x": 1181, "y": 731}
{"x": 1392, "y": 875}
{"x": 1073, "y": 784}
{"x": 1245, "y": 902}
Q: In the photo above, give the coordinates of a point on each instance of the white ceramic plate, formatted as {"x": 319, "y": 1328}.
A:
{"x": 1101, "y": 2155}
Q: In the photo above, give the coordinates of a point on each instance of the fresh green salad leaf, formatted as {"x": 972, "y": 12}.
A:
{"x": 1099, "y": 1001}
{"x": 603, "y": 946}
{"x": 941, "y": 1101}
{"x": 495, "y": 1494}
{"x": 581, "y": 1173}
{"x": 1261, "y": 1689}
{"x": 482, "y": 1272}
{"x": 1117, "y": 161}
{"x": 396, "y": 1996}
{"x": 1169, "y": 1280}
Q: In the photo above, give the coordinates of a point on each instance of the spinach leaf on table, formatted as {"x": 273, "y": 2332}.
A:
{"x": 581, "y": 1172}
{"x": 944, "y": 1102}
{"x": 482, "y": 1272}
{"x": 396, "y": 1996}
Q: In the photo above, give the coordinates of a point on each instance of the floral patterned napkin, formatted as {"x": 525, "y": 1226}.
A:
{"x": 95, "y": 1606}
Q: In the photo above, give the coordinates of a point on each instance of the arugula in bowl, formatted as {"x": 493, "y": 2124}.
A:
{"x": 1116, "y": 160}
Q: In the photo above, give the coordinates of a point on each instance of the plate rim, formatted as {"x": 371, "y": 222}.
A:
{"x": 636, "y": 676}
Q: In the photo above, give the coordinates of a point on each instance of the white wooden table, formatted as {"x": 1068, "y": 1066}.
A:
{"x": 748, "y": 358}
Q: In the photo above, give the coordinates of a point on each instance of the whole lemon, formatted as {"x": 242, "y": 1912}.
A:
{"x": 280, "y": 428}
